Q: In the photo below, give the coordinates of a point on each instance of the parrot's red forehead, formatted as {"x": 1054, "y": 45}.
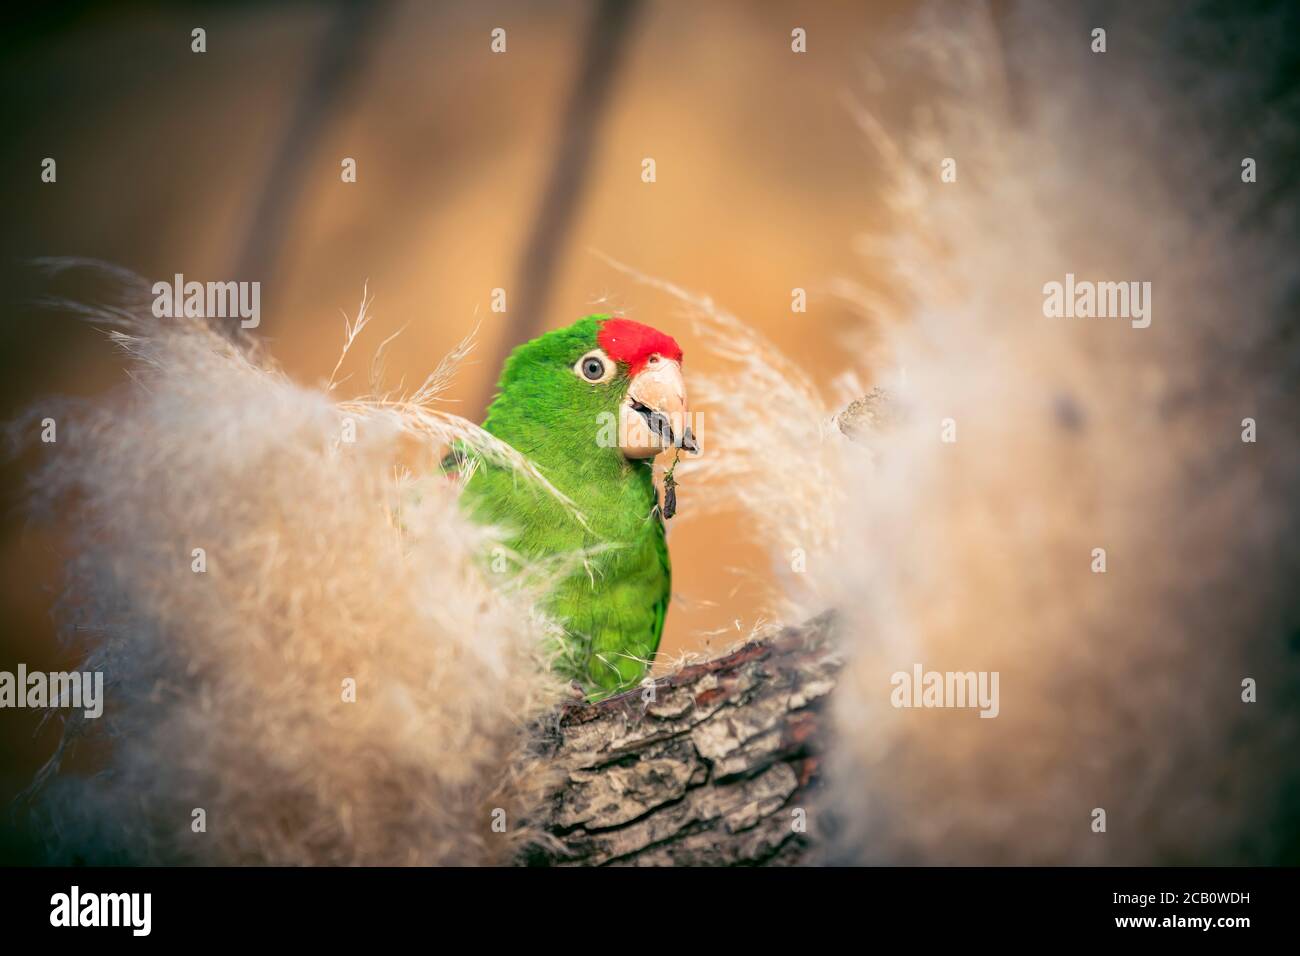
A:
{"x": 633, "y": 343}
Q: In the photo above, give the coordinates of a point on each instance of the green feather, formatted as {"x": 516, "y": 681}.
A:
{"x": 612, "y": 609}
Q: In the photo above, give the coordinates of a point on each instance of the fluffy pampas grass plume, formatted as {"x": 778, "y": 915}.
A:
{"x": 1120, "y": 692}
{"x": 305, "y": 659}
{"x": 964, "y": 536}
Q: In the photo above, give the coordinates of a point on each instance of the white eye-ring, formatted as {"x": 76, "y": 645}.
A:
{"x": 595, "y": 367}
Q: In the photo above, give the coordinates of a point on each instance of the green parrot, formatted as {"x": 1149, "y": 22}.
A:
{"x": 591, "y": 405}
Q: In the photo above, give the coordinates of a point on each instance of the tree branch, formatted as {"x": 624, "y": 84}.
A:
{"x": 711, "y": 770}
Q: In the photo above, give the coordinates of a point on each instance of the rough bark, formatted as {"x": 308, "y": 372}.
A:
{"x": 712, "y": 769}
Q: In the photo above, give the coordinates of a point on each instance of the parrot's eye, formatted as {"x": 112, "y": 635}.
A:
{"x": 595, "y": 366}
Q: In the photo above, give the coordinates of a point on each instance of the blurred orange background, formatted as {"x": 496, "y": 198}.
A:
{"x": 167, "y": 163}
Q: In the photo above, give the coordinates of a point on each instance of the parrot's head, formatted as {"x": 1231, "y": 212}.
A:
{"x": 598, "y": 372}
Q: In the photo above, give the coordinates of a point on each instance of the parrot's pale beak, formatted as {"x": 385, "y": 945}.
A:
{"x": 653, "y": 415}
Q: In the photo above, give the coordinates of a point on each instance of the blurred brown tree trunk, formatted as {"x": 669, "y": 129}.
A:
{"x": 339, "y": 63}
{"x": 578, "y": 129}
